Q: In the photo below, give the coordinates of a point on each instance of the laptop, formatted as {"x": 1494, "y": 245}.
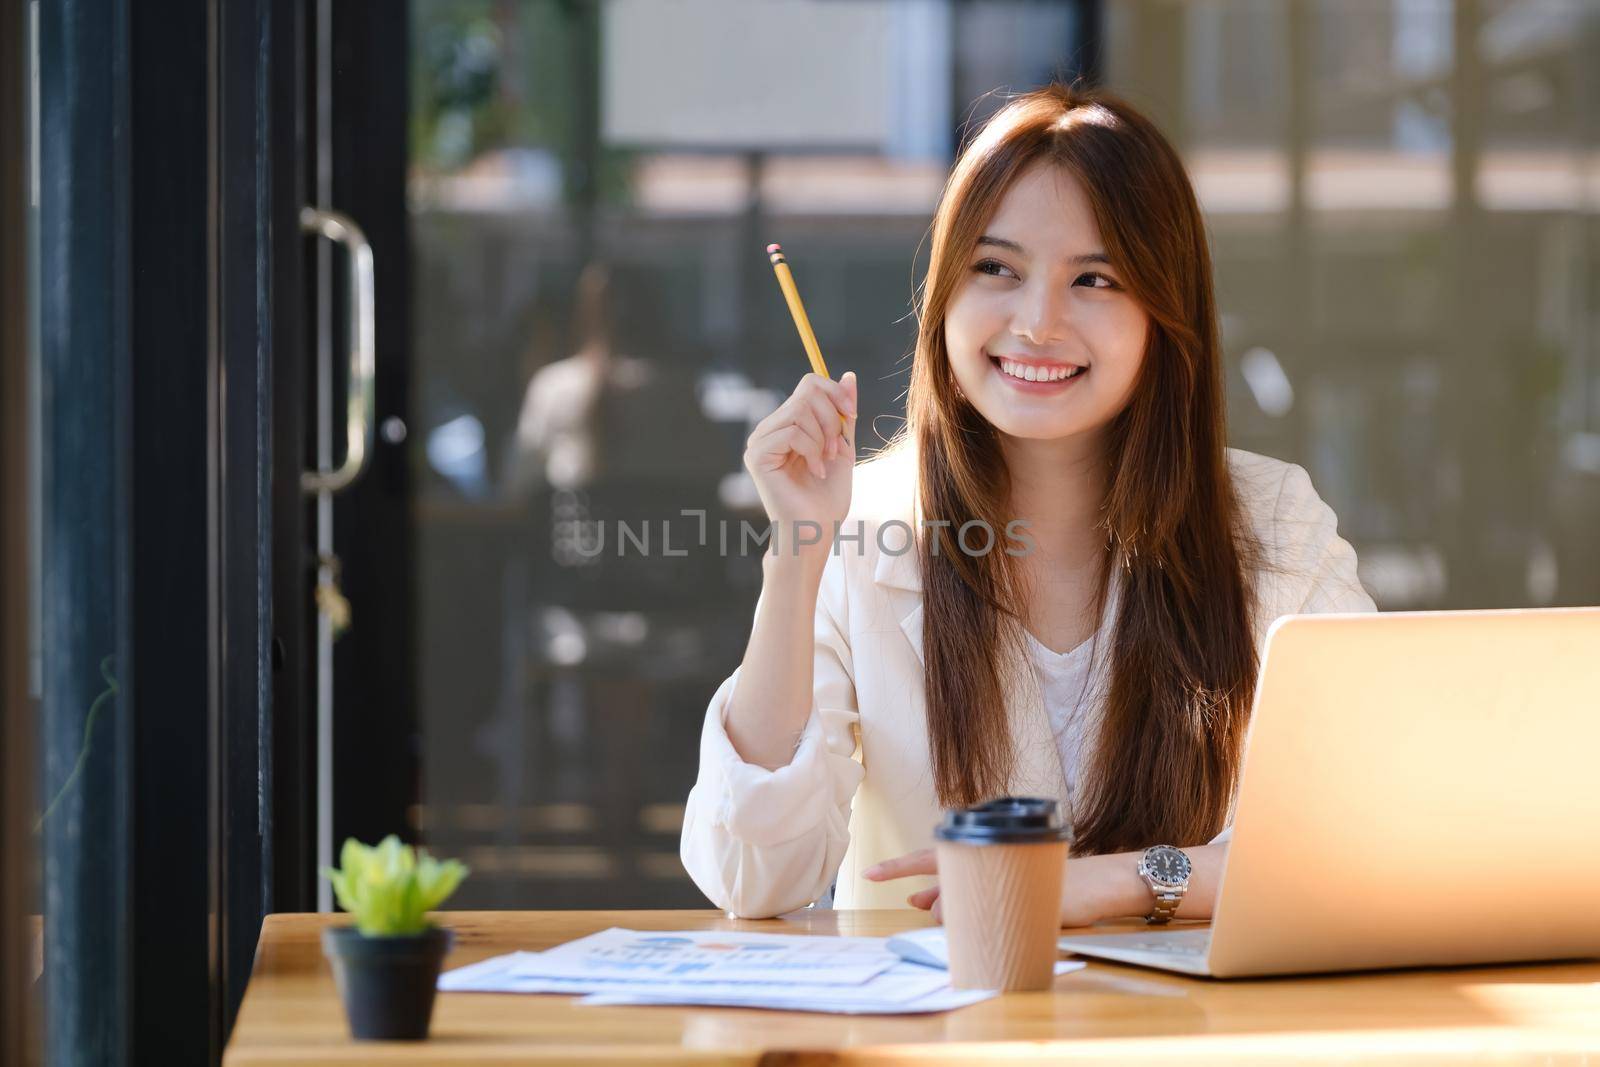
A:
{"x": 1418, "y": 789}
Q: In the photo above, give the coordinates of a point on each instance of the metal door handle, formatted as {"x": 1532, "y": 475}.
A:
{"x": 362, "y": 404}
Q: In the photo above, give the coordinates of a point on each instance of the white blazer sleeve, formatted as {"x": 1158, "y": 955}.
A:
{"x": 760, "y": 842}
{"x": 1317, "y": 566}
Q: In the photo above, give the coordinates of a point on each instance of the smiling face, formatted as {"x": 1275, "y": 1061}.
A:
{"x": 1043, "y": 338}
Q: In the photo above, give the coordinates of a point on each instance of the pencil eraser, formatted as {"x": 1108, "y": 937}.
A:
{"x": 773, "y": 248}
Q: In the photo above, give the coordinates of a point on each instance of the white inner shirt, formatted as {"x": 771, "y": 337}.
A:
{"x": 1063, "y": 678}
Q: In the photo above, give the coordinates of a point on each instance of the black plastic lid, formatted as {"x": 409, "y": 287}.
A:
{"x": 1007, "y": 820}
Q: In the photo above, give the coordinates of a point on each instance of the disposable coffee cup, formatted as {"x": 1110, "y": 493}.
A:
{"x": 1000, "y": 871}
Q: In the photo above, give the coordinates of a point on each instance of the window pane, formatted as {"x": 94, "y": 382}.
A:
{"x": 1401, "y": 206}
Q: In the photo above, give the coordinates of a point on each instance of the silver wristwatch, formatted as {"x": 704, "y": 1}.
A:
{"x": 1166, "y": 871}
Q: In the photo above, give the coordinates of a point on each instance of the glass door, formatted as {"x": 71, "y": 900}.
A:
{"x": 595, "y": 331}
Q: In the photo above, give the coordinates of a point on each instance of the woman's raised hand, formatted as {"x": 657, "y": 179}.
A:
{"x": 802, "y": 456}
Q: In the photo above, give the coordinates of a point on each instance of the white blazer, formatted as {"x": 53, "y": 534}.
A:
{"x": 860, "y": 786}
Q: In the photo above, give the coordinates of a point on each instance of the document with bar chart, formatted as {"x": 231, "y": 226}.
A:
{"x": 787, "y": 972}
{"x": 713, "y": 956}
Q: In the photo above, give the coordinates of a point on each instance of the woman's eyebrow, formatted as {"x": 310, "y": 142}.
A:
{"x": 1012, "y": 246}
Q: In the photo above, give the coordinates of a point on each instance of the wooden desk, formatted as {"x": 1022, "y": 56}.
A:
{"x": 1542, "y": 1013}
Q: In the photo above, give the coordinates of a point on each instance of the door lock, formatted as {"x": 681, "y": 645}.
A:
{"x": 330, "y": 599}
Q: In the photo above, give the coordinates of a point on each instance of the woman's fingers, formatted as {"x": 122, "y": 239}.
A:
{"x": 813, "y": 388}
{"x": 811, "y": 410}
{"x": 826, "y": 415}
{"x": 819, "y": 411}
{"x": 773, "y": 450}
{"x": 847, "y": 431}
{"x": 833, "y": 403}
{"x": 806, "y": 421}
{"x": 841, "y": 394}
{"x": 921, "y": 861}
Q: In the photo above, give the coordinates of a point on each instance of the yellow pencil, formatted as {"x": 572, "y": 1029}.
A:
{"x": 780, "y": 267}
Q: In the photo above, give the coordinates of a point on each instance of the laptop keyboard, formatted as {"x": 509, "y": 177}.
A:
{"x": 1176, "y": 943}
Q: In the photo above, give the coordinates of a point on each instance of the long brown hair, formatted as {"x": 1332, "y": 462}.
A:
{"x": 1183, "y": 656}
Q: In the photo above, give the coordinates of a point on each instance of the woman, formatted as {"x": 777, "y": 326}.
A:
{"x": 1104, "y": 652}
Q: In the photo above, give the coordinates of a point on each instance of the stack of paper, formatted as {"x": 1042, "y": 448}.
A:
{"x": 796, "y": 972}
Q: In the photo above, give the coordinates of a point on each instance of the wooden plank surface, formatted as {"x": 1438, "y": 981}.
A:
{"x": 1107, "y": 1013}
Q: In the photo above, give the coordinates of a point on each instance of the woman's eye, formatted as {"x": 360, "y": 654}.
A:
{"x": 993, "y": 269}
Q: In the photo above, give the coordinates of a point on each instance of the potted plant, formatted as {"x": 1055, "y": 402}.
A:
{"x": 387, "y": 964}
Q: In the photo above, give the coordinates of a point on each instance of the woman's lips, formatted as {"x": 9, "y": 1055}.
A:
{"x": 1056, "y": 386}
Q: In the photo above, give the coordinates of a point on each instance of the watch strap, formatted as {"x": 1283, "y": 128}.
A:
{"x": 1167, "y": 901}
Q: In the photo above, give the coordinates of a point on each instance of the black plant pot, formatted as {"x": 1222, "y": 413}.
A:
{"x": 387, "y": 983}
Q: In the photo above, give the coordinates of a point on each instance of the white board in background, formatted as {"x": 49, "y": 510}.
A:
{"x": 850, "y": 75}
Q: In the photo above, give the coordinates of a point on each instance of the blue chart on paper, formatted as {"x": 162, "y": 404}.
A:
{"x": 719, "y": 956}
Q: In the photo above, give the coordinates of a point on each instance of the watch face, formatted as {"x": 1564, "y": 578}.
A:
{"x": 1167, "y": 865}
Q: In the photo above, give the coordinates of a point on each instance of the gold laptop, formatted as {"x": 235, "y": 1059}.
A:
{"x": 1419, "y": 789}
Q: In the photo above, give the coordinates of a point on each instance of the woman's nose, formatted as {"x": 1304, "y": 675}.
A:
{"x": 1040, "y": 317}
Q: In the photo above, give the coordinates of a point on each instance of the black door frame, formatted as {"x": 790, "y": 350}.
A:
{"x": 376, "y": 757}
{"x": 292, "y": 779}
{"x": 339, "y": 141}
{"x": 200, "y": 251}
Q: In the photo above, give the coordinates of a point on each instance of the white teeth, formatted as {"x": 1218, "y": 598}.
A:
{"x": 1031, "y": 373}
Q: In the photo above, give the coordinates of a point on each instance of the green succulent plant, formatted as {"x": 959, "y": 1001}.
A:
{"x": 390, "y": 887}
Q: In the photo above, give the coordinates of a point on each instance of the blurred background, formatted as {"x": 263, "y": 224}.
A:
{"x": 1401, "y": 198}
{"x": 333, "y": 336}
